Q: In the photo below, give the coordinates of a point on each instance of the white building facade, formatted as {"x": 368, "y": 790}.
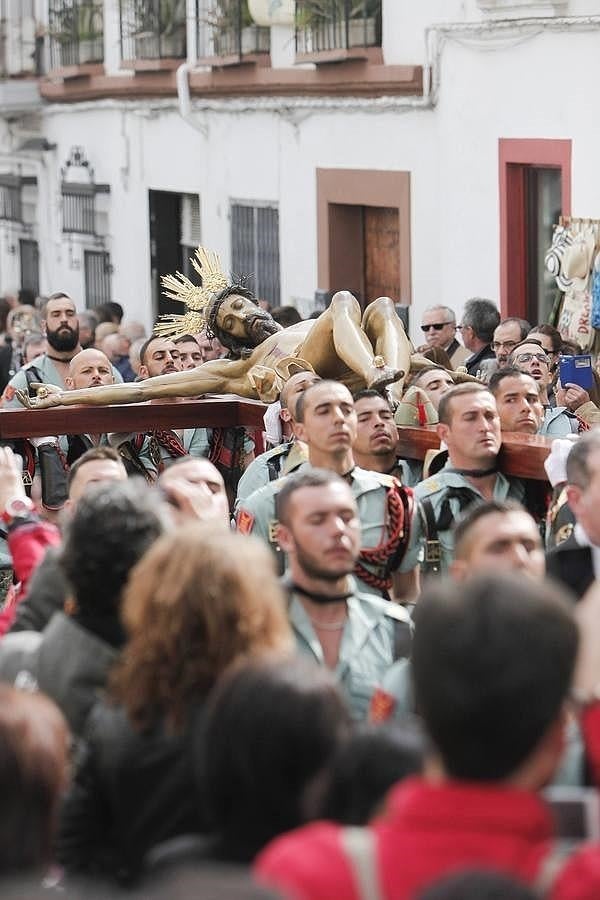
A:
{"x": 421, "y": 150}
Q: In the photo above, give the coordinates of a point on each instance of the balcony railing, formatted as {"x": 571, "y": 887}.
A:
{"x": 226, "y": 30}
{"x": 325, "y": 25}
{"x": 153, "y": 29}
{"x": 76, "y": 32}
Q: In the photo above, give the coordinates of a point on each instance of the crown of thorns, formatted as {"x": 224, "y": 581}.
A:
{"x": 198, "y": 299}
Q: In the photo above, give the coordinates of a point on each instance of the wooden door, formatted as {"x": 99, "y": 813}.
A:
{"x": 382, "y": 253}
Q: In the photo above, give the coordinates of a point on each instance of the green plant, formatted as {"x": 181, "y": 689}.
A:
{"x": 80, "y": 22}
{"x": 164, "y": 17}
{"x": 228, "y": 15}
{"x": 314, "y": 13}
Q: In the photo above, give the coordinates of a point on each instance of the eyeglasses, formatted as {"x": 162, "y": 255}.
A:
{"x": 528, "y": 357}
{"x": 508, "y": 345}
{"x": 437, "y": 326}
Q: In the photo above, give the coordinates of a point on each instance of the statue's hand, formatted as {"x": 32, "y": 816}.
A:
{"x": 47, "y": 395}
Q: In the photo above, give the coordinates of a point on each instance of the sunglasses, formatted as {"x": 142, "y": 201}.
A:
{"x": 528, "y": 357}
{"x": 437, "y": 326}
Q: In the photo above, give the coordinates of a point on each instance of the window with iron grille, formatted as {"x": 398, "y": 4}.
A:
{"x": 323, "y": 25}
{"x": 17, "y": 37}
{"x": 153, "y": 29}
{"x": 255, "y": 248}
{"x": 76, "y": 31}
{"x": 78, "y": 208}
{"x": 11, "y": 208}
{"x": 226, "y": 29}
{"x": 97, "y": 268}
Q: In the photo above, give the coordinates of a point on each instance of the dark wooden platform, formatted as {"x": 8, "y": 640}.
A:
{"x": 522, "y": 455}
{"x": 214, "y": 412}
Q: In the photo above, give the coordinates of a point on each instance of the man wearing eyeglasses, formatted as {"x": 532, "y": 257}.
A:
{"x": 439, "y": 328}
{"x": 507, "y": 335}
{"x": 530, "y": 357}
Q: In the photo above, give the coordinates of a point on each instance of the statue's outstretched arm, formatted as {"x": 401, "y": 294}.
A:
{"x": 217, "y": 376}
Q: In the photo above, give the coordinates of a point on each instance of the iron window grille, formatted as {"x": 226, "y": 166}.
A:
{"x": 323, "y": 25}
{"x": 19, "y": 45}
{"x": 255, "y": 248}
{"x": 97, "y": 271}
{"x": 153, "y": 29}
{"x": 11, "y": 200}
{"x": 76, "y": 32}
{"x": 227, "y": 30}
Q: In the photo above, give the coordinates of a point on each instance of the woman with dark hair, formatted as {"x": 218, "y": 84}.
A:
{"x": 271, "y": 731}
{"x": 262, "y": 760}
{"x": 197, "y": 602}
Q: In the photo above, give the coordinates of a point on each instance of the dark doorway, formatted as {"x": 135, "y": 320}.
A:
{"x": 165, "y": 249}
{"x": 30, "y": 265}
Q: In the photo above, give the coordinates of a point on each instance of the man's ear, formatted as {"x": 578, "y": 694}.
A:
{"x": 299, "y": 430}
{"x": 459, "y": 570}
{"x": 285, "y": 415}
{"x": 574, "y": 498}
{"x": 442, "y": 431}
{"x": 143, "y": 373}
{"x": 284, "y": 538}
{"x": 69, "y": 383}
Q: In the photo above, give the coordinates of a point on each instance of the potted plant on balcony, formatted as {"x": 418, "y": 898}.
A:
{"x": 234, "y": 30}
{"x": 79, "y": 32}
{"x": 324, "y": 21}
{"x": 160, "y": 28}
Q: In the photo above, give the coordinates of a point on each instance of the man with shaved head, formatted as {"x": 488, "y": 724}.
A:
{"x": 287, "y": 457}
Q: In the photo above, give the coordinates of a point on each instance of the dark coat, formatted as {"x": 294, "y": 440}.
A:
{"x": 571, "y": 565}
{"x": 131, "y": 790}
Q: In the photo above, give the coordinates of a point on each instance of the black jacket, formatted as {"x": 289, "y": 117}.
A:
{"x": 571, "y": 565}
{"x": 130, "y": 791}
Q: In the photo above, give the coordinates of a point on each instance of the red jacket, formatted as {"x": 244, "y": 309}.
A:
{"x": 427, "y": 832}
{"x": 27, "y": 543}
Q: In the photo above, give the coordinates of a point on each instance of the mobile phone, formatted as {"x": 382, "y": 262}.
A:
{"x": 576, "y": 812}
{"x": 577, "y": 370}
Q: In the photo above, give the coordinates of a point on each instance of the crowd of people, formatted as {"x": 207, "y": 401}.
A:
{"x": 321, "y": 669}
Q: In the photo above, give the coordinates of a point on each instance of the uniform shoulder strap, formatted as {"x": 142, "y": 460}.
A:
{"x": 551, "y": 867}
{"x": 359, "y": 847}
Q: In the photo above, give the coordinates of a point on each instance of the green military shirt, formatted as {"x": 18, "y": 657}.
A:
{"x": 256, "y": 515}
{"x": 368, "y": 647}
{"x": 281, "y": 460}
{"x": 442, "y": 490}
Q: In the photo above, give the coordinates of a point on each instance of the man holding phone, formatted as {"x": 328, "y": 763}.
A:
{"x": 530, "y": 358}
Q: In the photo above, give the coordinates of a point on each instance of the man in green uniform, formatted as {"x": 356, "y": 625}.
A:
{"x": 388, "y": 562}
{"x": 358, "y": 636}
{"x": 469, "y": 425}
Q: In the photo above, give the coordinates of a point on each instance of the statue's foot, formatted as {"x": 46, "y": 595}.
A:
{"x": 381, "y": 375}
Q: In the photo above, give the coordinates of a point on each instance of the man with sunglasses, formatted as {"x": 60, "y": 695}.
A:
{"x": 530, "y": 357}
{"x": 439, "y": 328}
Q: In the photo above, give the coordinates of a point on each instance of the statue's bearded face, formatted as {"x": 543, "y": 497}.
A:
{"x": 242, "y": 319}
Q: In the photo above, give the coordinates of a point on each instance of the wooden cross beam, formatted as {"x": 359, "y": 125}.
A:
{"x": 218, "y": 412}
{"x": 522, "y": 455}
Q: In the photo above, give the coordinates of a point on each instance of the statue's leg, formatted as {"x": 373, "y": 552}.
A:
{"x": 338, "y": 335}
{"x": 219, "y": 376}
{"x": 386, "y": 332}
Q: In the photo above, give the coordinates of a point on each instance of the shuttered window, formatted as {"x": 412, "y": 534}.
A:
{"x": 255, "y": 248}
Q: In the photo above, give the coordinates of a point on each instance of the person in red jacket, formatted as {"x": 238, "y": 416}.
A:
{"x": 493, "y": 661}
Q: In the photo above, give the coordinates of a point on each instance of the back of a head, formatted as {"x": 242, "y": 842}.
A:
{"x": 504, "y": 657}
{"x": 198, "y": 601}
{"x": 34, "y": 743}
{"x": 271, "y": 730}
{"x": 112, "y": 527}
{"x": 483, "y": 317}
{"x": 366, "y": 766}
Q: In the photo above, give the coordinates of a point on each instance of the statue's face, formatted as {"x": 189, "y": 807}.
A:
{"x": 242, "y": 319}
